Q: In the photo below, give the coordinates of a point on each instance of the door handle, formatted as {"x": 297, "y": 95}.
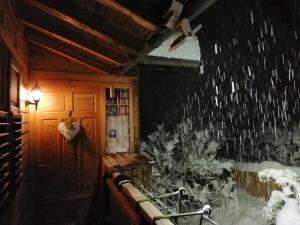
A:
{"x": 39, "y": 164}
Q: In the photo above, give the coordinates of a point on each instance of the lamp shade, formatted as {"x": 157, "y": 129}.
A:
{"x": 36, "y": 92}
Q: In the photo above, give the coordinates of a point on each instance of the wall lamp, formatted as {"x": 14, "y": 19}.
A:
{"x": 34, "y": 96}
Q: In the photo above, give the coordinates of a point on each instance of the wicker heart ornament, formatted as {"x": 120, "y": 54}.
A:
{"x": 68, "y": 127}
{"x": 69, "y": 133}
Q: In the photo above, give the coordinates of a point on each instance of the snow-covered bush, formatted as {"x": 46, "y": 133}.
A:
{"x": 271, "y": 144}
{"x": 283, "y": 207}
{"x": 277, "y": 144}
{"x": 187, "y": 157}
{"x": 296, "y": 142}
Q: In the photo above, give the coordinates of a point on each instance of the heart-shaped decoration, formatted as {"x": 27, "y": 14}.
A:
{"x": 69, "y": 133}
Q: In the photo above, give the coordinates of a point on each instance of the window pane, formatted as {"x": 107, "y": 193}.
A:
{"x": 117, "y": 120}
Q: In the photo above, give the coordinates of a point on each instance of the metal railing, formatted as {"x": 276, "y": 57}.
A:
{"x": 168, "y": 202}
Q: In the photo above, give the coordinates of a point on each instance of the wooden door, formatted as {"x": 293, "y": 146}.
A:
{"x": 67, "y": 171}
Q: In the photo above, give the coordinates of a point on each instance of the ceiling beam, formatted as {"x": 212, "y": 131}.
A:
{"x": 68, "y": 51}
{"x": 162, "y": 61}
{"x": 54, "y": 25}
{"x": 137, "y": 19}
{"x": 82, "y": 26}
{"x": 72, "y": 43}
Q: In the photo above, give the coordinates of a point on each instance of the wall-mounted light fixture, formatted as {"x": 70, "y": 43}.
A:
{"x": 34, "y": 96}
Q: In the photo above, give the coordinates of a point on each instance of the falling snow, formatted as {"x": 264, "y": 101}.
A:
{"x": 248, "y": 89}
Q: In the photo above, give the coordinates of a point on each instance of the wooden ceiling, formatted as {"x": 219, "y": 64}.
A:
{"x": 104, "y": 35}
{"x": 108, "y": 36}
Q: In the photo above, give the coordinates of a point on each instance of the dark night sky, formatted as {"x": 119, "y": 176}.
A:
{"x": 253, "y": 45}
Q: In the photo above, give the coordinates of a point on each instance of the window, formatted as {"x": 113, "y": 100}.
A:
{"x": 117, "y": 120}
{"x": 14, "y": 87}
{"x": 5, "y": 134}
{"x": 4, "y": 75}
{"x": 12, "y": 131}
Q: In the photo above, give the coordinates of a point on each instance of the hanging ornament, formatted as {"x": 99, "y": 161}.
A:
{"x": 68, "y": 127}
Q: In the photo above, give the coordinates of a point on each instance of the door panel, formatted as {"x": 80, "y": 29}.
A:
{"x": 83, "y": 102}
{"x": 88, "y": 153}
{"x": 48, "y": 164}
{"x": 54, "y": 102}
{"x": 67, "y": 170}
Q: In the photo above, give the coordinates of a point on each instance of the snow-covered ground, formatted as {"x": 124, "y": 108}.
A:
{"x": 256, "y": 167}
{"x": 247, "y": 211}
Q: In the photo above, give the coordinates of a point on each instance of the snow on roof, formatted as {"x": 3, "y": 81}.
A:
{"x": 189, "y": 50}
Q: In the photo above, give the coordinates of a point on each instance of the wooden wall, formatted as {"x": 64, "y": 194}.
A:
{"x": 60, "y": 182}
{"x": 66, "y": 176}
{"x": 250, "y": 183}
{"x": 43, "y": 60}
{"x": 17, "y": 211}
{"x": 12, "y": 35}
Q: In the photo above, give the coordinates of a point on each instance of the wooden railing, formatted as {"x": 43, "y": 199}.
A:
{"x": 128, "y": 205}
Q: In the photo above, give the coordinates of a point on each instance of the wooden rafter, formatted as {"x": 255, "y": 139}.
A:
{"x": 137, "y": 19}
{"x": 74, "y": 22}
{"x": 34, "y": 16}
{"x": 72, "y": 43}
{"x": 67, "y": 51}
